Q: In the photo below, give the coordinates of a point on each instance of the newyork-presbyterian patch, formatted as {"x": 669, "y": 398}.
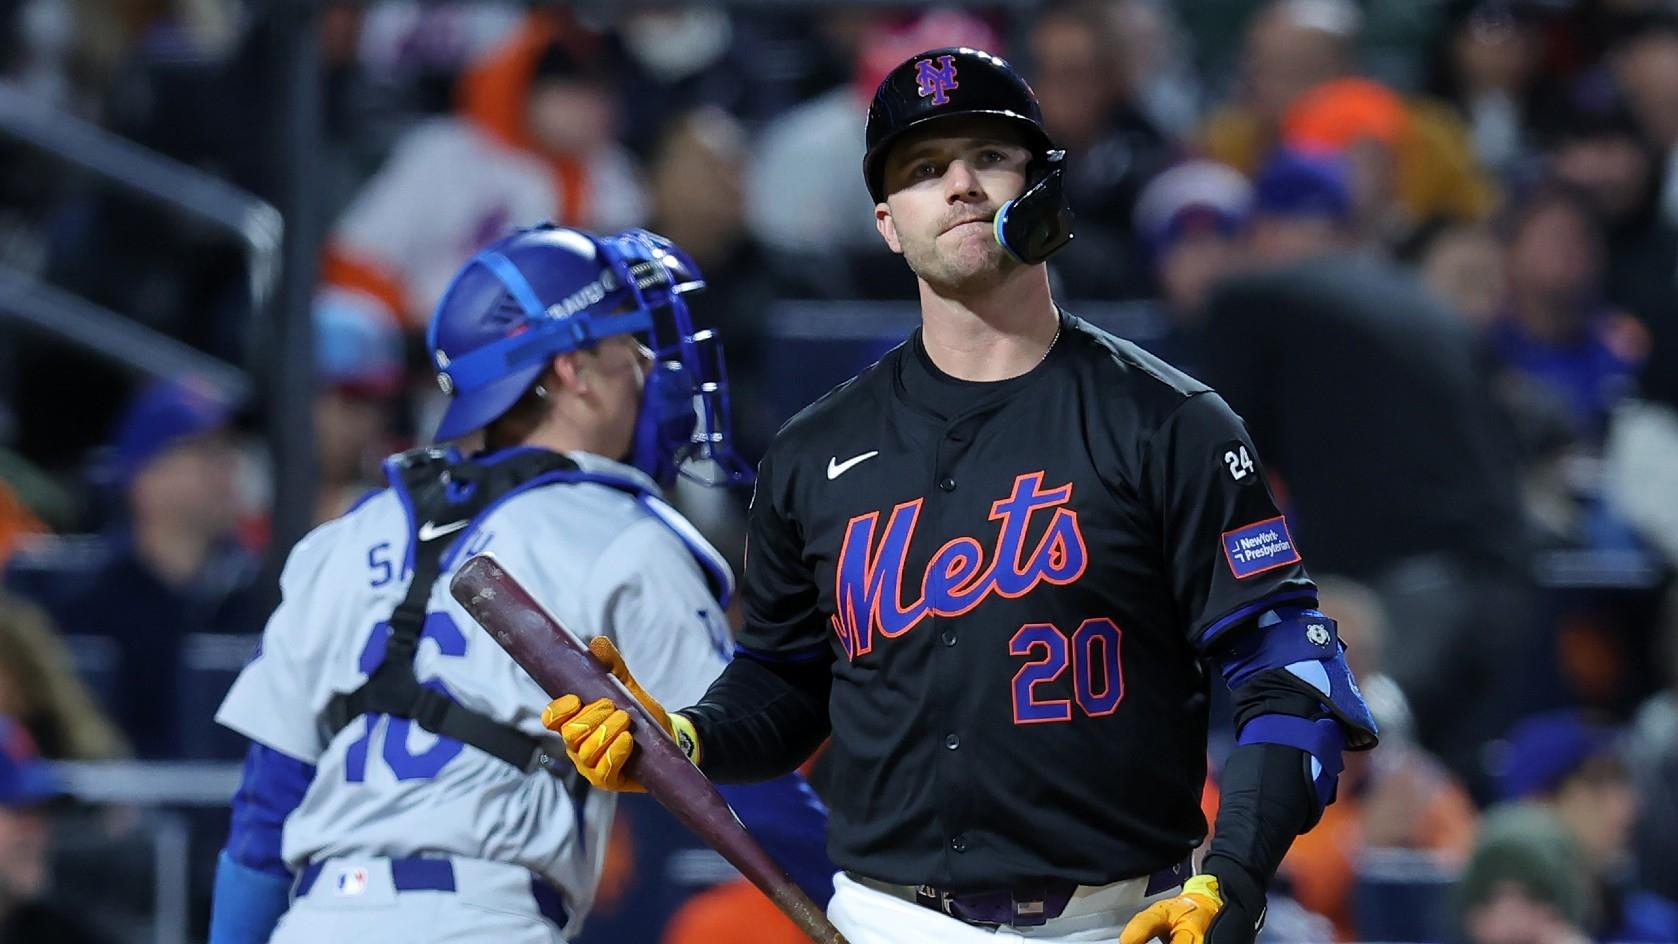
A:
{"x": 1258, "y": 547}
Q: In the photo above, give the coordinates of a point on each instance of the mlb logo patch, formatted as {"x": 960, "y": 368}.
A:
{"x": 352, "y": 881}
{"x": 1258, "y": 547}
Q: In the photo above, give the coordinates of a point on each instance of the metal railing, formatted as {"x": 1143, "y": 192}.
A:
{"x": 168, "y": 791}
{"x": 255, "y": 224}
{"x": 50, "y": 310}
{"x": 279, "y": 267}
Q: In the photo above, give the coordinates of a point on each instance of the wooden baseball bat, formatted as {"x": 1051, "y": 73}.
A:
{"x": 560, "y": 663}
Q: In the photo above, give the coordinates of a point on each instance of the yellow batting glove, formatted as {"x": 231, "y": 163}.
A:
{"x": 597, "y": 740}
{"x": 1183, "y": 919}
{"x": 597, "y": 736}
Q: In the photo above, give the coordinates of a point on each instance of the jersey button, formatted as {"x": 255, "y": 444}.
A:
{"x": 958, "y": 844}
{"x": 947, "y": 484}
{"x": 952, "y": 741}
{"x": 948, "y": 636}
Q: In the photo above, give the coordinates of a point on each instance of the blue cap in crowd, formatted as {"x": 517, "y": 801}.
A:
{"x": 358, "y": 349}
{"x": 1193, "y": 197}
{"x": 25, "y": 779}
{"x": 1545, "y": 749}
{"x": 164, "y": 415}
{"x": 1296, "y": 184}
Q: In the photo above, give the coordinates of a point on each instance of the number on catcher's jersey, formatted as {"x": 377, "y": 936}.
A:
{"x": 407, "y": 765}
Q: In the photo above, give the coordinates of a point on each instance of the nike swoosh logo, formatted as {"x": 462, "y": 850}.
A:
{"x": 430, "y": 531}
{"x": 835, "y": 468}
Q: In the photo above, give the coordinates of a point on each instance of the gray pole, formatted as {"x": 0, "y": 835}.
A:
{"x": 288, "y": 363}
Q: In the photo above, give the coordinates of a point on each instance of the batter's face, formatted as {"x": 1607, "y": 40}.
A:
{"x": 943, "y": 188}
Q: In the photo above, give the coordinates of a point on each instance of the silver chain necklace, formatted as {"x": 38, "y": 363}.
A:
{"x": 1051, "y": 346}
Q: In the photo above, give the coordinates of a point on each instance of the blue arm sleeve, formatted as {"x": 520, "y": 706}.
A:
{"x": 252, "y": 881}
{"x": 786, "y": 817}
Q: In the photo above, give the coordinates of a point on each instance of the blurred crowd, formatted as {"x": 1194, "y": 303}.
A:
{"x": 1428, "y": 250}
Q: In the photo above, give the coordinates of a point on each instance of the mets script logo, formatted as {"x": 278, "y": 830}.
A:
{"x": 868, "y": 589}
{"x": 937, "y": 81}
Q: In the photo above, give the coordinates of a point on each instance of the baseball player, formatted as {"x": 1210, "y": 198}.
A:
{"x": 398, "y": 786}
{"x": 1000, "y": 567}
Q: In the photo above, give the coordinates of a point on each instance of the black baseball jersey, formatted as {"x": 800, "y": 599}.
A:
{"x": 1012, "y": 594}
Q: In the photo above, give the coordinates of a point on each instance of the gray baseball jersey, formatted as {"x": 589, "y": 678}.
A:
{"x": 596, "y": 557}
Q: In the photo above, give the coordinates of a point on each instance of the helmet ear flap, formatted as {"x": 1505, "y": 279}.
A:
{"x": 1037, "y": 223}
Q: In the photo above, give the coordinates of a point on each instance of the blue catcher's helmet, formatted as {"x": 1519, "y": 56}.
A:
{"x": 546, "y": 290}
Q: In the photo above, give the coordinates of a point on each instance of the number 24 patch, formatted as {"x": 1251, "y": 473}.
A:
{"x": 1237, "y": 460}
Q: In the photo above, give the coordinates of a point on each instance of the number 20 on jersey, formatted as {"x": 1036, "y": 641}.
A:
{"x": 1091, "y": 652}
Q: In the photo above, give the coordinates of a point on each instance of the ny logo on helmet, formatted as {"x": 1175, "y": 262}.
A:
{"x": 937, "y": 81}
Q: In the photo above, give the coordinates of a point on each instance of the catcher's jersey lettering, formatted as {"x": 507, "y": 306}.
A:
{"x": 960, "y": 576}
{"x": 378, "y": 561}
{"x": 1012, "y": 592}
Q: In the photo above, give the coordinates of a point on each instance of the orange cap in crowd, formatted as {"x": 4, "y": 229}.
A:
{"x": 1334, "y": 115}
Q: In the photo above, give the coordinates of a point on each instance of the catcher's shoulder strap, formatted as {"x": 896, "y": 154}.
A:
{"x": 443, "y": 495}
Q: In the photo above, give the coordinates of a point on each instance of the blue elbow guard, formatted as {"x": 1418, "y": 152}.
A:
{"x": 248, "y": 903}
{"x": 1300, "y": 648}
{"x": 1303, "y": 648}
{"x": 1321, "y": 740}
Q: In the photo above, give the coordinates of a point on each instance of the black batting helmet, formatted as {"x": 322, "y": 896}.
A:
{"x": 958, "y": 81}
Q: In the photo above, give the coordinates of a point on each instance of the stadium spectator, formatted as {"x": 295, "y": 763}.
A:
{"x": 1302, "y": 209}
{"x": 28, "y": 791}
{"x": 359, "y": 372}
{"x": 1554, "y": 328}
{"x": 1364, "y": 127}
{"x": 1113, "y": 149}
{"x": 1189, "y": 225}
{"x": 1523, "y": 884}
{"x": 1570, "y": 768}
{"x": 1644, "y": 64}
{"x": 1487, "y": 63}
{"x": 804, "y": 198}
{"x": 1153, "y": 52}
{"x": 533, "y": 140}
{"x": 696, "y": 178}
{"x": 675, "y": 59}
{"x": 1600, "y": 152}
{"x": 1407, "y": 161}
{"x": 170, "y": 566}
{"x": 1289, "y": 46}
{"x": 419, "y": 51}
{"x": 1462, "y": 263}
{"x": 39, "y": 688}
{"x": 1355, "y": 382}
{"x": 1296, "y": 46}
